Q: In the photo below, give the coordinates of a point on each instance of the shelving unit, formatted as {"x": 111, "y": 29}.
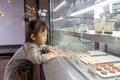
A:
{"x": 97, "y": 37}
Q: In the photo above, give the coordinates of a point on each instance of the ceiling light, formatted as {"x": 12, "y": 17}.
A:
{"x": 60, "y": 6}
{"x": 57, "y": 19}
{"x": 92, "y": 7}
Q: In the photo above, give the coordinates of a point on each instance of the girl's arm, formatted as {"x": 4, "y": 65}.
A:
{"x": 48, "y": 49}
{"x": 34, "y": 55}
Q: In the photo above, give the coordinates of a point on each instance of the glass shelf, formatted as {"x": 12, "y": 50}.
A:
{"x": 113, "y": 38}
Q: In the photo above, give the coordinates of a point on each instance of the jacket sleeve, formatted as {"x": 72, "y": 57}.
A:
{"x": 46, "y": 47}
{"x": 35, "y": 56}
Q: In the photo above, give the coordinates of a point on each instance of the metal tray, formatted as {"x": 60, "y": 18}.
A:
{"x": 96, "y": 53}
{"x": 100, "y": 59}
{"x": 106, "y": 59}
{"x": 109, "y": 75}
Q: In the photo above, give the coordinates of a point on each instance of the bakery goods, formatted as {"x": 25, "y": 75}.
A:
{"x": 118, "y": 69}
{"x": 107, "y": 68}
{"x": 114, "y": 67}
{"x": 102, "y": 65}
{"x": 104, "y": 72}
{"x": 110, "y": 64}
{"x": 98, "y": 68}
{"x": 112, "y": 71}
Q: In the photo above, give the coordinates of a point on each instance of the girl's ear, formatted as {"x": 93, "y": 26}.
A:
{"x": 33, "y": 37}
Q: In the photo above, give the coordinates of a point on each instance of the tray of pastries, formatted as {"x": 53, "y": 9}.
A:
{"x": 107, "y": 70}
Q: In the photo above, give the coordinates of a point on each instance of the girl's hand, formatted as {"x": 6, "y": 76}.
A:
{"x": 52, "y": 53}
{"x": 61, "y": 53}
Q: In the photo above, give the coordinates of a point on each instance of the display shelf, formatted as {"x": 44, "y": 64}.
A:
{"x": 113, "y": 38}
{"x": 80, "y": 17}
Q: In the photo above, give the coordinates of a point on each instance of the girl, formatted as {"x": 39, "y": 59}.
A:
{"x": 33, "y": 51}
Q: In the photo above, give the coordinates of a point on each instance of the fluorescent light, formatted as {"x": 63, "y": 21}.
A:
{"x": 60, "y": 5}
{"x": 57, "y": 19}
{"x": 92, "y": 7}
{"x": 82, "y": 11}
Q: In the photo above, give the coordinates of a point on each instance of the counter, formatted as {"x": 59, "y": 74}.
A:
{"x": 55, "y": 71}
{"x": 69, "y": 69}
{"x": 61, "y": 69}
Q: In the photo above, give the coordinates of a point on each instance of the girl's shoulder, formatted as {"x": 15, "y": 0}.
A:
{"x": 30, "y": 45}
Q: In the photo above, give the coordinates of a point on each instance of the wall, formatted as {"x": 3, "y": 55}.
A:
{"x": 12, "y": 27}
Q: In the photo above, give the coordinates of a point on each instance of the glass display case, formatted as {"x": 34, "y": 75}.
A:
{"x": 78, "y": 17}
{"x": 88, "y": 32}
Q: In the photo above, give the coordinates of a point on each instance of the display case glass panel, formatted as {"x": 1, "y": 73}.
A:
{"x": 100, "y": 16}
{"x": 85, "y": 29}
{"x": 62, "y": 21}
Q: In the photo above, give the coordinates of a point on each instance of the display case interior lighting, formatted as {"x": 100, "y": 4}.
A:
{"x": 57, "y": 19}
{"x": 63, "y": 3}
{"x": 8, "y": 1}
{"x": 92, "y": 7}
{"x": 1, "y": 14}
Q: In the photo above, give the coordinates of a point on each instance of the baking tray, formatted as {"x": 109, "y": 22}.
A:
{"x": 96, "y": 53}
{"x": 100, "y": 59}
{"x": 109, "y": 75}
{"x": 88, "y": 59}
{"x": 106, "y": 59}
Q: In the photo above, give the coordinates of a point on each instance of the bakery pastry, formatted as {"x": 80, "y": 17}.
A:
{"x": 110, "y": 64}
{"x": 118, "y": 69}
{"x": 98, "y": 68}
{"x": 112, "y": 71}
{"x": 102, "y": 65}
{"x": 104, "y": 72}
{"x": 107, "y": 68}
{"x": 114, "y": 67}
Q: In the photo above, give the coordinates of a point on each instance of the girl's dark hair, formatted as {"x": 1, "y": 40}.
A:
{"x": 33, "y": 27}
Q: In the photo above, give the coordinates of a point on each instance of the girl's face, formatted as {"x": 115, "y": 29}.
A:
{"x": 41, "y": 38}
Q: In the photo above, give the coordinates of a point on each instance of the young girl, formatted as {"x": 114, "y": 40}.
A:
{"x": 33, "y": 51}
